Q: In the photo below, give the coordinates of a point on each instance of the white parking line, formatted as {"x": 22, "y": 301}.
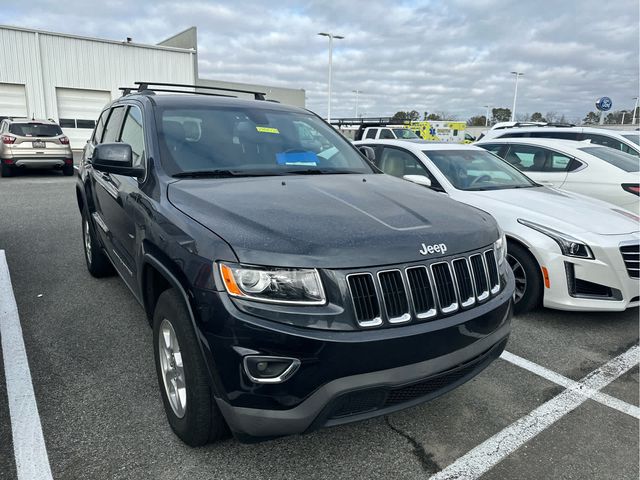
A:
{"x": 561, "y": 380}
{"x": 32, "y": 461}
{"x": 492, "y": 451}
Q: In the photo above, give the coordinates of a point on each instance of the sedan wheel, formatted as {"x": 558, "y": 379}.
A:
{"x": 520, "y": 277}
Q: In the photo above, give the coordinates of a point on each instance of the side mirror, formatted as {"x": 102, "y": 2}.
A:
{"x": 419, "y": 179}
{"x": 368, "y": 152}
{"x": 115, "y": 158}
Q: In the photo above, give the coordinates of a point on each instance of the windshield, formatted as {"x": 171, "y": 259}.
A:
{"x": 477, "y": 170}
{"x": 634, "y": 137}
{"x": 404, "y": 133}
{"x": 35, "y": 130}
{"x": 252, "y": 141}
{"x": 621, "y": 160}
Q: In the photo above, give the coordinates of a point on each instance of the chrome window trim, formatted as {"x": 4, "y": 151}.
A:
{"x": 100, "y": 222}
{"x": 405, "y": 317}
{"x": 485, "y": 294}
{"x": 454, "y": 306}
{"x": 374, "y": 322}
{"x": 432, "y": 312}
{"x": 472, "y": 299}
{"x": 493, "y": 289}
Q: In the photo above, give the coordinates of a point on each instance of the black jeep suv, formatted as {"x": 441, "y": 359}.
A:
{"x": 290, "y": 284}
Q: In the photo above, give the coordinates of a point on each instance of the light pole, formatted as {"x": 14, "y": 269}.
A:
{"x": 486, "y": 117}
{"x": 635, "y": 109}
{"x": 515, "y": 95}
{"x": 357, "y": 92}
{"x": 331, "y": 36}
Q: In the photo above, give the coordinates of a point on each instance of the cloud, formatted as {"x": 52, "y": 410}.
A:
{"x": 452, "y": 55}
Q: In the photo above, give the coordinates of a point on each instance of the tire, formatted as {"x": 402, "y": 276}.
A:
{"x": 525, "y": 269}
{"x": 97, "y": 261}
{"x": 67, "y": 170}
{"x": 196, "y": 418}
{"x": 6, "y": 171}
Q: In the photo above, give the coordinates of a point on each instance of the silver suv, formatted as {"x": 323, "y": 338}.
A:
{"x": 33, "y": 144}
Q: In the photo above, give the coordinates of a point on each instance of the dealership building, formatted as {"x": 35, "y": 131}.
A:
{"x": 70, "y": 78}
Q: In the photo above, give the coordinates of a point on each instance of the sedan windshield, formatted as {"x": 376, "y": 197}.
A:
{"x": 404, "y": 133}
{"x": 477, "y": 170}
{"x": 33, "y": 129}
{"x": 240, "y": 141}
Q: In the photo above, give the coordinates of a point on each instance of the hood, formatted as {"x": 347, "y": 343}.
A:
{"x": 563, "y": 211}
{"x": 331, "y": 221}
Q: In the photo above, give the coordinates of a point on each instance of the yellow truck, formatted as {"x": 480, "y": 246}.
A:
{"x": 439, "y": 130}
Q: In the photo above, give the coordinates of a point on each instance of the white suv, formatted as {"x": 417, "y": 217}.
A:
{"x": 626, "y": 141}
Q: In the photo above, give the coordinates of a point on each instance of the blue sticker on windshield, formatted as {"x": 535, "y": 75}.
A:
{"x": 298, "y": 157}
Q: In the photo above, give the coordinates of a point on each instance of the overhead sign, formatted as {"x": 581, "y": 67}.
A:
{"x": 604, "y": 104}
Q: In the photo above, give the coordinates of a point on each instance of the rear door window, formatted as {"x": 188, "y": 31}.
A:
{"x": 387, "y": 134}
{"x": 112, "y": 128}
{"x": 609, "y": 142}
{"x": 132, "y": 133}
{"x": 371, "y": 133}
{"x": 559, "y": 135}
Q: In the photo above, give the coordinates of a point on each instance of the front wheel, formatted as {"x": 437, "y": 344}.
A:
{"x": 182, "y": 374}
{"x": 526, "y": 272}
{"x": 97, "y": 262}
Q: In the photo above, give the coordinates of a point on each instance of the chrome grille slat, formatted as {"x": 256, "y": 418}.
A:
{"x": 422, "y": 292}
{"x": 631, "y": 258}
{"x": 492, "y": 271}
{"x": 480, "y": 278}
{"x": 445, "y": 287}
{"x": 464, "y": 281}
{"x": 394, "y": 296}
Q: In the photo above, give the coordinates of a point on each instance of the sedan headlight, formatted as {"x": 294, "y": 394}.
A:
{"x": 570, "y": 246}
{"x": 300, "y": 286}
{"x": 500, "y": 247}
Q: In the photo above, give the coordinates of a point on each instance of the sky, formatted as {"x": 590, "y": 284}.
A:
{"x": 450, "y": 56}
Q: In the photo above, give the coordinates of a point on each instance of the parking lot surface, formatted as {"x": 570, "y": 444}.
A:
{"x": 91, "y": 361}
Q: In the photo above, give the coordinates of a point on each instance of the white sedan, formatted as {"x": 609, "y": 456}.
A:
{"x": 567, "y": 251}
{"x": 582, "y": 167}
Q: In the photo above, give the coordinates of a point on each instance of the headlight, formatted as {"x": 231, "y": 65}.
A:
{"x": 500, "y": 247}
{"x": 300, "y": 286}
{"x": 570, "y": 246}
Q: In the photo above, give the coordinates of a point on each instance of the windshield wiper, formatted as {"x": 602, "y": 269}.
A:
{"x": 317, "y": 171}
{"x": 220, "y": 173}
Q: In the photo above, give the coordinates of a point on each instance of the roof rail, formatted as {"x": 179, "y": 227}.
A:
{"x": 142, "y": 86}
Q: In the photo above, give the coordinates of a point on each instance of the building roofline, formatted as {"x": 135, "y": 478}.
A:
{"x": 95, "y": 39}
{"x": 177, "y": 34}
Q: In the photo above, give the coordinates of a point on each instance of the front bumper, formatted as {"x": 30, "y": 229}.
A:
{"x": 346, "y": 376}
{"x": 607, "y": 270}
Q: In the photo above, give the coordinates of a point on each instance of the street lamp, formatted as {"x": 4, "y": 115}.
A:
{"x": 515, "y": 95}
{"x": 357, "y": 92}
{"x": 486, "y": 117}
{"x": 331, "y": 37}
{"x": 635, "y": 109}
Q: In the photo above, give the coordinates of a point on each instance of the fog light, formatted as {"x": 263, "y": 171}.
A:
{"x": 267, "y": 369}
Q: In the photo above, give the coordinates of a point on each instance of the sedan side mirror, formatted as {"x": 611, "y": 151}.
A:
{"x": 115, "y": 158}
{"x": 368, "y": 152}
{"x": 419, "y": 179}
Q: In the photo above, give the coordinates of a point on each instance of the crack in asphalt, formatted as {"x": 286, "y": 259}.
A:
{"x": 428, "y": 464}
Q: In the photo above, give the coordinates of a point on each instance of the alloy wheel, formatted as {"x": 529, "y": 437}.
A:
{"x": 172, "y": 368}
{"x": 87, "y": 240}
{"x": 520, "y": 276}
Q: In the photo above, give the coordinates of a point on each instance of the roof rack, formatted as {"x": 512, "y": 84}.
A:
{"x": 541, "y": 124}
{"x": 361, "y": 121}
{"x": 151, "y": 87}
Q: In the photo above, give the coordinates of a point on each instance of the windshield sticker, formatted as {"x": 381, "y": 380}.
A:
{"x": 267, "y": 130}
{"x": 297, "y": 158}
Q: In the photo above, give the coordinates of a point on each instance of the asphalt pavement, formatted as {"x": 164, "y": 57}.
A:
{"x": 91, "y": 363}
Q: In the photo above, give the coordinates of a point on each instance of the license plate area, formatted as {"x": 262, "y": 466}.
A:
{"x": 39, "y": 144}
